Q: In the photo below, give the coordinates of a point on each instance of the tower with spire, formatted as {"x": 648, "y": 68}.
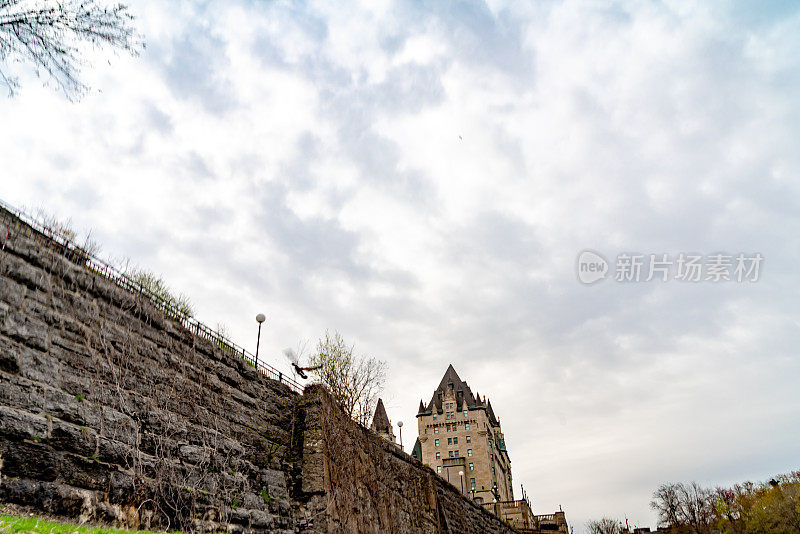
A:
{"x": 381, "y": 424}
{"x": 461, "y": 439}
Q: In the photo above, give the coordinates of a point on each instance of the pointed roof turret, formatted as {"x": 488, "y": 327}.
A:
{"x": 380, "y": 422}
{"x": 451, "y": 382}
{"x": 421, "y": 407}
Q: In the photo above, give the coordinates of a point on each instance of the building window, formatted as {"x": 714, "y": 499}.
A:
{"x": 493, "y": 471}
{"x": 438, "y": 468}
{"x": 478, "y": 500}
{"x": 469, "y": 452}
{"x": 450, "y": 454}
{"x": 457, "y": 452}
{"x": 434, "y": 417}
{"x": 465, "y": 411}
{"x": 466, "y": 426}
{"x": 472, "y": 482}
{"x": 449, "y": 441}
{"x": 471, "y": 466}
{"x": 438, "y": 455}
{"x": 436, "y": 430}
{"x": 469, "y": 439}
{"x": 436, "y": 442}
{"x": 455, "y": 441}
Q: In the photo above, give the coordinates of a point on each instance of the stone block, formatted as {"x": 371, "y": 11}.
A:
{"x": 18, "y": 425}
{"x": 65, "y": 436}
{"x": 31, "y": 460}
{"x": 75, "y": 409}
{"x": 9, "y": 361}
{"x": 83, "y": 472}
{"x": 11, "y": 292}
{"x": 25, "y": 274}
{"x": 19, "y": 327}
{"x": 39, "y": 366}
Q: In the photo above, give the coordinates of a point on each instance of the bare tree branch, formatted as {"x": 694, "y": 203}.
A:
{"x": 354, "y": 381}
{"x": 50, "y": 35}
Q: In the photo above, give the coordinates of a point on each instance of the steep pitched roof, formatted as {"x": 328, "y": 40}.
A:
{"x": 380, "y": 422}
{"x": 451, "y": 380}
{"x": 492, "y": 418}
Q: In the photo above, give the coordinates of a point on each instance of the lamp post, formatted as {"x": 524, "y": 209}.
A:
{"x": 260, "y": 318}
{"x": 461, "y": 474}
{"x": 400, "y": 426}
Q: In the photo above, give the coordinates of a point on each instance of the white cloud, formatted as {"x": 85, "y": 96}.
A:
{"x": 422, "y": 178}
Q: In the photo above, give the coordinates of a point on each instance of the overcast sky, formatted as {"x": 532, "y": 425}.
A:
{"x": 421, "y": 176}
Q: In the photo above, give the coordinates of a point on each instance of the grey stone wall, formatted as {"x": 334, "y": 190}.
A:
{"x": 356, "y": 482}
{"x": 111, "y": 412}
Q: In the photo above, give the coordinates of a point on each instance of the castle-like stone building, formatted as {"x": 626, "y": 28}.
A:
{"x": 461, "y": 438}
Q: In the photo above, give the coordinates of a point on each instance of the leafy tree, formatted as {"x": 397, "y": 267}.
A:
{"x": 750, "y": 508}
{"x": 49, "y": 33}
{"x": 354, "y": 381}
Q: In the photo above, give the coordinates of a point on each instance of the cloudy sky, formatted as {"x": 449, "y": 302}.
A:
{"x": 421, "y": 176}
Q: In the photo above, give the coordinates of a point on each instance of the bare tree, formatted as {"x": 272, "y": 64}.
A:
{"x": 689, "y": 507}
{"x": 666, "y": 502}
{"x": 156, "y": 285}
{"x": 354, "y": 381}
{"x": 696, "y": 507}
{"x": 49, "y": 34}
{"x": 605, "y": 525}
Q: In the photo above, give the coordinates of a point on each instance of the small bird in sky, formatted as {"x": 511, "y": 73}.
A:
{"x": 460, "y": 138}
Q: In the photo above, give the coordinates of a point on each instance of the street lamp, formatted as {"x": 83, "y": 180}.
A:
{"x": 260, "y": 318}
{"x": 400, "y": 426}
{"x": 461, "y": 474}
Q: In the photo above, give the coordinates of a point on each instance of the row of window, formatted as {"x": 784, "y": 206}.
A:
{"x": 450, "y": 427}
{"x": 452, "y": 441}
{"x": 451, "y": 415}
{"x": 453, "y": 454}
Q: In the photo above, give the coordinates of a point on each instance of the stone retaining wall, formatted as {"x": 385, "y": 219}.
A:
{"x": 112, "y": 413}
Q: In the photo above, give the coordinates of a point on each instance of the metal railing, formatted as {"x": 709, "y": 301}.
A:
{"x": 16, "y": 221}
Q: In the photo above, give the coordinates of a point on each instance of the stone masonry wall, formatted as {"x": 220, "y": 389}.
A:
{"x": 356, "y": 482}
{"x": 111, "y": 412}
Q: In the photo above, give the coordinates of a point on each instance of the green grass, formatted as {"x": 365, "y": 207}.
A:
{"x": 10, "y": 525}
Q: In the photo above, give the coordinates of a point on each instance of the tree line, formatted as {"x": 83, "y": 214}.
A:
{"x": 771, "y": 507}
